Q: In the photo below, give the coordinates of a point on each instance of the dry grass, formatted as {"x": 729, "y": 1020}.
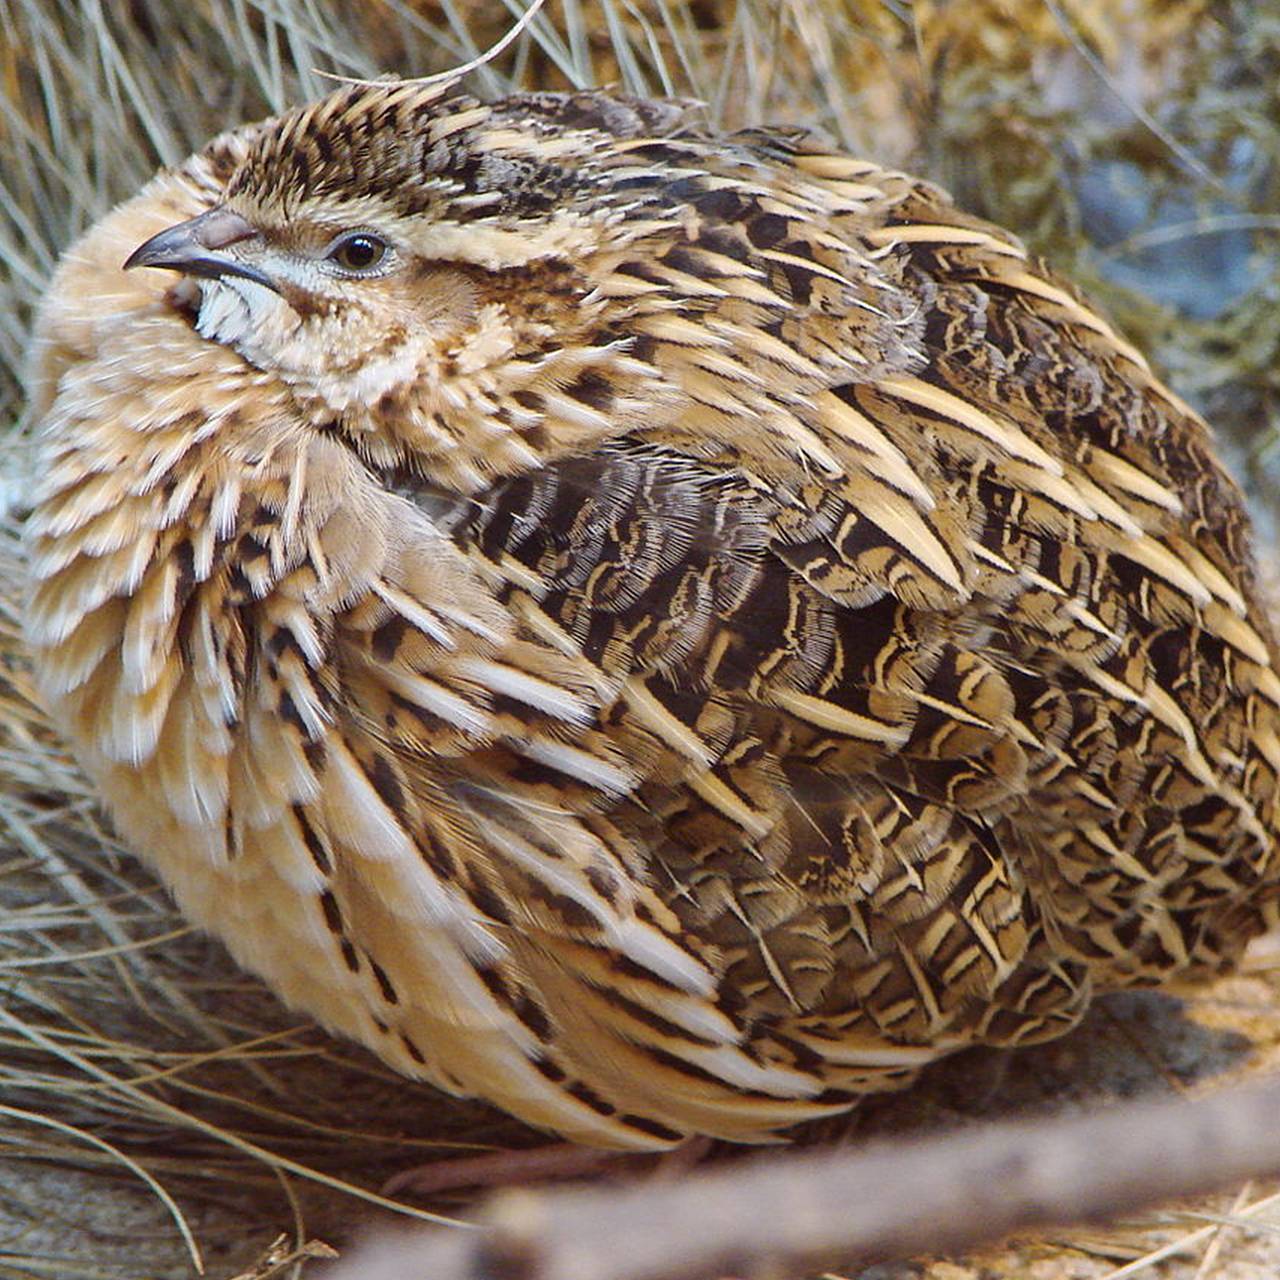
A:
{"x": 154, "y": 1100}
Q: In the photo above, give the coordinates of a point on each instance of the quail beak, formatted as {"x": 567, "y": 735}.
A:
{"x": 192, "y": 247}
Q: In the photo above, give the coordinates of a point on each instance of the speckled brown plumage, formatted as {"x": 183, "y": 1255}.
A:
{"x": 693, "y": 630}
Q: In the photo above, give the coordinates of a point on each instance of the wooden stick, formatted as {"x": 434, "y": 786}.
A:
{"x": 785, "y": 1213}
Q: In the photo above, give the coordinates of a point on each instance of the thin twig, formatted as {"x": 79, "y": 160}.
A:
{"x": 455, "y": 73}
{"x": 1186, "y": 160}
{"x": 892, "y": 1200}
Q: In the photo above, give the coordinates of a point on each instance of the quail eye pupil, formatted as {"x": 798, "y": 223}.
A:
{"x": 358, "y": 252}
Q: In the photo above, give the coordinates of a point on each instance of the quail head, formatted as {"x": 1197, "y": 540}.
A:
{"x": 666, "y": 632}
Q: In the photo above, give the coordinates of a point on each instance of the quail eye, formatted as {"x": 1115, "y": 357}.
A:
{"x": 360, "y": 251}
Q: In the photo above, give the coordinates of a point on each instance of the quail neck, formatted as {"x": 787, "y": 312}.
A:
{"x": 667, "y": 632}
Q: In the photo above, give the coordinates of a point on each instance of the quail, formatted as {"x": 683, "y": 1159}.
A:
{"x": 667, "y": 632}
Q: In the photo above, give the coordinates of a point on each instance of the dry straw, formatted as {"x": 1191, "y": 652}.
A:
{"x": 156, "y": 1105}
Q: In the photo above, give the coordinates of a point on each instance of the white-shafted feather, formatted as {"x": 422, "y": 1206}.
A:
{"x": 641, "y": 943}
{"x": 357, "y": 818}
{"x": 511, "y": 682}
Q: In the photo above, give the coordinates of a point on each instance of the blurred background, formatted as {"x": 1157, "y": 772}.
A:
{"x": 152, "y": 1099}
